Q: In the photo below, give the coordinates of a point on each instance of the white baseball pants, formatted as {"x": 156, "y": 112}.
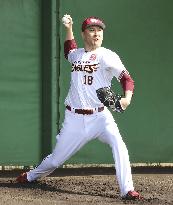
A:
{"x": 78, "y": 130}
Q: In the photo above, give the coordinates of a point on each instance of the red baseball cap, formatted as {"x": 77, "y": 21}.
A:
{"x": 92, "y": 21}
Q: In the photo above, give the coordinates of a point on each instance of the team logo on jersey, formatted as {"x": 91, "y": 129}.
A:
{"x": 92, "y": 57}
{"x": 86, "y": 67}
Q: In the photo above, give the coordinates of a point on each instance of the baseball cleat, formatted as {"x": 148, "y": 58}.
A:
{"x": 132, "y": 195}
{"x": 22, "y": 178}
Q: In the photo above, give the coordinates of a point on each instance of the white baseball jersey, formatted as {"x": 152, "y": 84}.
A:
{"x": 91, "y": 71}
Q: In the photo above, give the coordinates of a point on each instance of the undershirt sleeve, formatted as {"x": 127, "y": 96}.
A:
{"x": 69, "y": 45}
{"x": 126, "y": 81}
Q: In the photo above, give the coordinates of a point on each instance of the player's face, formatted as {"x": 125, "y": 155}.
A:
{"x": 93, "y": 37}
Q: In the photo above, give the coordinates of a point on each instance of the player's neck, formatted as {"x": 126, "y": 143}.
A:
{"x": 90, "y": 48}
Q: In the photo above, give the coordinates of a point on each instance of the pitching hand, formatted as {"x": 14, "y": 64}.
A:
{"x": 67, "y": 21}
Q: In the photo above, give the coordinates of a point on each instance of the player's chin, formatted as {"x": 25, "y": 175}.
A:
{"x": 97, "y": 44}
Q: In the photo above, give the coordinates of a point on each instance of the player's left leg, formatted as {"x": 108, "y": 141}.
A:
{"x": 110, "y": 135}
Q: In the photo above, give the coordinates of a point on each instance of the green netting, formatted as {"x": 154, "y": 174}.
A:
{"x": 141, "y": 33}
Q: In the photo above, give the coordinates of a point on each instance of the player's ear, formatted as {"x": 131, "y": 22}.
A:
{"x": 82, "y": 34}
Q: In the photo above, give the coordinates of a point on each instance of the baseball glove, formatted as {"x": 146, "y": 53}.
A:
{"x": 109, "y": 99}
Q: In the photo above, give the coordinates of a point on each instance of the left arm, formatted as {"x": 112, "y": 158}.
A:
{"x": 127, "y": 84}
{"x": 111, "y": 60}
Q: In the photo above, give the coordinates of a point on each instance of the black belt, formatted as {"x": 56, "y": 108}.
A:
{"x": 85, "y": 111}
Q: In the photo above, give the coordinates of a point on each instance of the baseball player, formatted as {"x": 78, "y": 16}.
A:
{"x": 86, "y": 116}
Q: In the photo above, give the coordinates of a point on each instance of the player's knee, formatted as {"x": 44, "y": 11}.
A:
{"x": 54, "y": 164}
{"x": 118, "y": 142}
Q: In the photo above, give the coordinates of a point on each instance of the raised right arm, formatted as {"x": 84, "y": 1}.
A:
{"x": 70, "y": 43}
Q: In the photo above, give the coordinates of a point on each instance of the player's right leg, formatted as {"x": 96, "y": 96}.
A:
{"x": 69, "y": 141}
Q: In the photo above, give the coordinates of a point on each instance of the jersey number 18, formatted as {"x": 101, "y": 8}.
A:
{"x": 88, "y": 79}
